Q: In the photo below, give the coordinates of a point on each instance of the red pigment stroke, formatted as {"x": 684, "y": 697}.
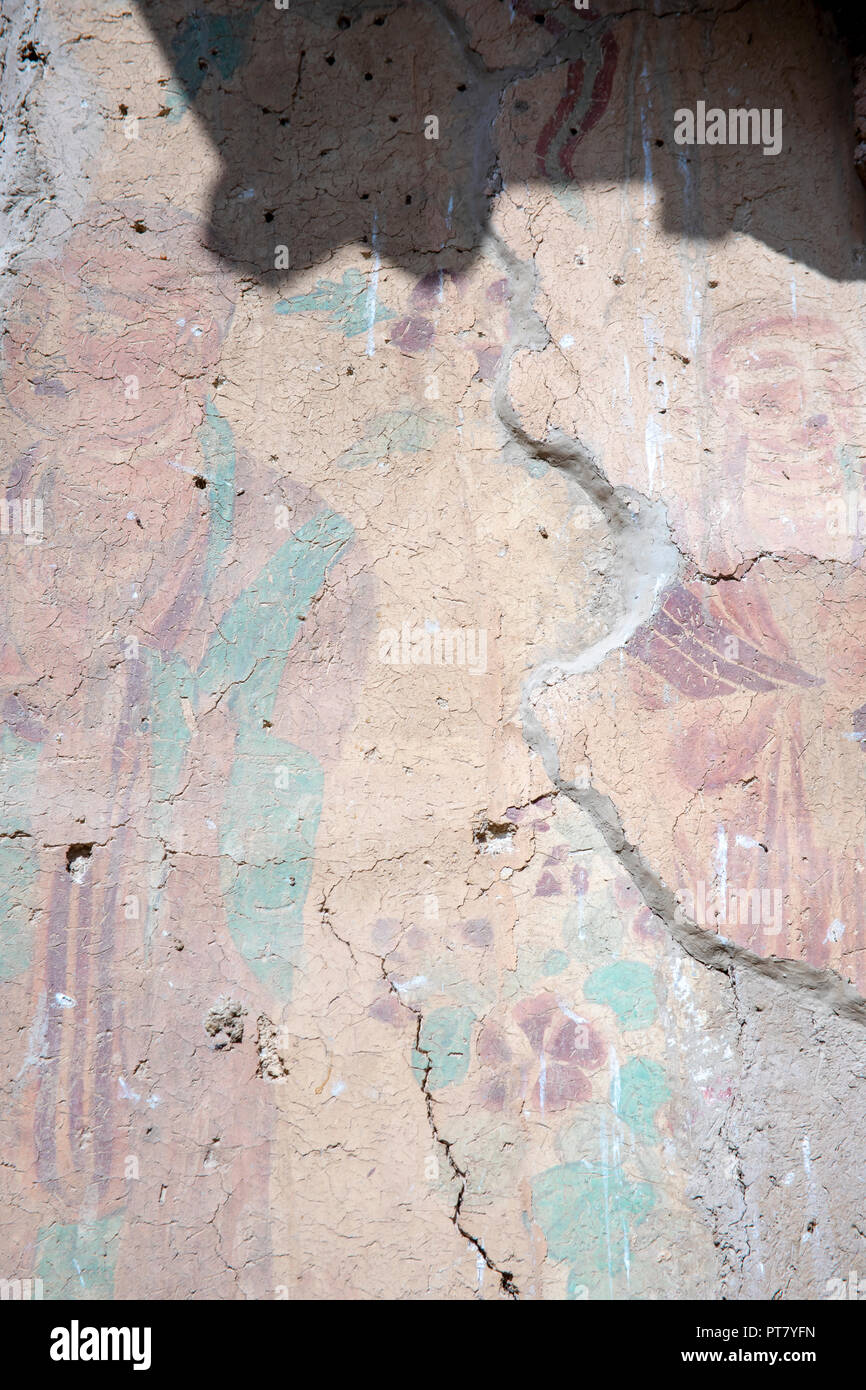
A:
{"x": 686, "y": 645}
{"x": 574, "y": 92}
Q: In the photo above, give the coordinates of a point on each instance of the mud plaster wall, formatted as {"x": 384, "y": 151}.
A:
{"x": 435, "y": 591}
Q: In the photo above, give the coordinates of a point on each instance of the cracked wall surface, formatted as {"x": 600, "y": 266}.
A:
{"x": 433, "y": 691}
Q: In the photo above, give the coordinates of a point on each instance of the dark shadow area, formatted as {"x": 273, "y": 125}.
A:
{"x": 320, "y": 114}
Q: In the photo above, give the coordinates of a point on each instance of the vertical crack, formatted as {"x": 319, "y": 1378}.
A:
{"x": 506, "y": 1279}
{"x": 505, "y": 1276}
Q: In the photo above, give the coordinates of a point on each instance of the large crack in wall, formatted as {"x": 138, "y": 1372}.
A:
{"x": 792, "y": 1018}
{"x": 488, "y": 391}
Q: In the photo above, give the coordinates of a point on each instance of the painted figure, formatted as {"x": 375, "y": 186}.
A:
{"x": 188, "y": 691}
{"x": 754, "y": 684}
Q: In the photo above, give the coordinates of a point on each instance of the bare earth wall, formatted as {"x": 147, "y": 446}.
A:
{"x": 432, "y": 816}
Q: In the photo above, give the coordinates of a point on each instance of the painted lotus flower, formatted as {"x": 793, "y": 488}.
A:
{"x": 543, "y": 1062}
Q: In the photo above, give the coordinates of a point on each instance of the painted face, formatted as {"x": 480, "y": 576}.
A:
{"x": 83, "y": 358}
{"x": 110, "y": 386}
{"x": 785, "y": 391}
{"x": 791, "y": 395}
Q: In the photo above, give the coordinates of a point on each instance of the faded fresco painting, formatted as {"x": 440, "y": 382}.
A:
{"x": 432, "y": 767}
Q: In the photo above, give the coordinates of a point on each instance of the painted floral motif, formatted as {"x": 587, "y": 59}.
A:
{"x": 545, "y": 1065}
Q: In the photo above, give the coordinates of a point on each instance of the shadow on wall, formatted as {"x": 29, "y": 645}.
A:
{"x": 395, "y": 124}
